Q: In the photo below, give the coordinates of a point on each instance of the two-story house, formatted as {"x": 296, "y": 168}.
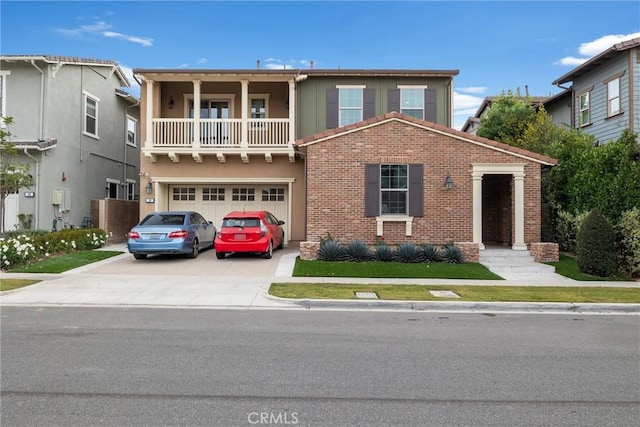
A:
{"x": 79, "y": 132}
{"x": 605, "y": 92}
{"x": 354, "y": 153}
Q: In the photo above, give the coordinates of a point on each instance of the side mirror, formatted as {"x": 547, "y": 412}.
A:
{"x": 280, "y": 222}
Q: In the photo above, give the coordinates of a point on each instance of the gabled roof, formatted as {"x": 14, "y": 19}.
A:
{"x": 70, "y": 60}
{"x": 598, "y": 60}
{"x": 434, "y": 127}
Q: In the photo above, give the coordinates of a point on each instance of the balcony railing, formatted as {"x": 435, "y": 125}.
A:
{"x": 217, "y": 133}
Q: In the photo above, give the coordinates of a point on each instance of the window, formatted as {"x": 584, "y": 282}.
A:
{"x": 613, "y": 97}
{"x": 131, "y": 131}
{"x": 91, "y": 115}
{"x": 412, "y": 102}
{"x": 131, "y": 190}
{"x": 243, "y": 194}
{"x": 273, "y": 194}
{"x": 393, "y": 189}
{"x": 258, "y": 108}
{"x": 184, "y": 193}
{"x": 584, "y": 109}
{"x": 350, "y": 105}
{"x": 3, "y": 96}
{"x": 213, "y": 194}
{"x": 112, "y": 189}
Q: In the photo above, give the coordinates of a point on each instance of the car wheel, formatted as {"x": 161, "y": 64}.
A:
{"x": 220, "y": 255}
{"x": 281, "y": 245}
{"x": 140, "y": 256}
{"x": 269, "y": 253}
{"x": 195, "y": 249}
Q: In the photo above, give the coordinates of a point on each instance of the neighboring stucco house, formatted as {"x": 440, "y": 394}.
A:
{"x": 606, "y": 92}
{"x": 78, "y": 130}
{"x": 356, "y": 153}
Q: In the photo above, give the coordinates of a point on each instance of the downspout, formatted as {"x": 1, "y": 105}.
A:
{"x": 26, "y": 152}
{"x": 126, "y": 146}
{"x": 41, "y": 133}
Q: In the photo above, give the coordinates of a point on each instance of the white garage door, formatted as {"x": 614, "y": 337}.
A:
{"x": 216, "y": 200}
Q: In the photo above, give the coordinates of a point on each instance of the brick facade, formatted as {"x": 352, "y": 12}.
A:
{"x": 335, "y": 184}
{"x": 545, "y": 252}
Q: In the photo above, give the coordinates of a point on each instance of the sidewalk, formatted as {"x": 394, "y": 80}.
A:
{"x": 82, "y": 287}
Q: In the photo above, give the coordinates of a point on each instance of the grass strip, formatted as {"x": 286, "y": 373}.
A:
{"x": 11, "y": 284}
{"x": 466, "y": 293}
{"x": 377, "y": 269}
{"x": 69, "y": 261}
{"x": 568, "y": 266}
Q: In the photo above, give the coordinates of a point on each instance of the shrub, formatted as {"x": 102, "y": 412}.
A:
{"x": 384, "y": 253}
{"x": 431, "y": 253}
{"x": 331, "y": 250}
{"x": 566, "y": 229}
{"x": 452, "y": 254}
{"x": 409, "y": 252}
{"x": 357, "y": 250}
{"x": 596, "y": 249}
{"x": 629, "y": 242}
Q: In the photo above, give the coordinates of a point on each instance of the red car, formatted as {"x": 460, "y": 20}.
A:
{"x": 253, "y": 231}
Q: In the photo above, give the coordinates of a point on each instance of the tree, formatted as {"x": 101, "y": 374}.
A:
{"x": 508, "y": 118}
{"x": 14, "y": 174}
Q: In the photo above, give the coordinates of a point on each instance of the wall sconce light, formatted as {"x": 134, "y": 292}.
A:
{"x": 64, "y": 177}
{"x": 171, "y": 103}
{"x": 448, "y": 182}
{"x": 106, "y": 192}
{"x": 149, "y": 187}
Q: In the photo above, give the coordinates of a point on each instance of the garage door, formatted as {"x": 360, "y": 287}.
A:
{"x": 216, "y": 200}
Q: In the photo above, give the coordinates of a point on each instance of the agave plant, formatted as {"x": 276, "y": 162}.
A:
{"x": 384, "y": 253}
{"x": 431, "y": 253}
{"x": 409, "y": 252}
{"x": 331, "y": 250}
{"x": 452, "y": 254}
{"x": 356, "y": 250}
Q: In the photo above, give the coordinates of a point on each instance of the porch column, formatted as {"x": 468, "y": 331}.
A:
{"x": 244, "y": 114}
{"x": 292, "y": 111}
{"x": 148, "y": 138}
{"x": 518, "y": 180}
{"x": 477, "y": 209}
{"x": 197, "y": 84}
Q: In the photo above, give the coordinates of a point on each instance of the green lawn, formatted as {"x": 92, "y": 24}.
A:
{"x": 59, "y": 264}
{"x": 10, "y": 284}
{"x": 440, "y": 270}
{"x": 567, "y": 266}
{"x": 467, "y": 293}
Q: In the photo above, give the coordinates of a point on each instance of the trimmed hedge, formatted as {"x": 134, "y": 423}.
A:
{"x": 596, "y": 246}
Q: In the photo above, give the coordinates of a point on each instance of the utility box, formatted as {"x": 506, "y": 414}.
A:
{"x": 56, "y": 198}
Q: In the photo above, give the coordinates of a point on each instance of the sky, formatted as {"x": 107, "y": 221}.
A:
{"x": 496, "y": 45}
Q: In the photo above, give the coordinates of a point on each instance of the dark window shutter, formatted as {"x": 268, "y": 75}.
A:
{"x": 332, "y": 108}
{"x": 394, "y": 101}
{"x": 368, "y": 103}
{"x": 430, "y": 98}
{"x": 372, "y": 190}
{"x": 416, "y": 194}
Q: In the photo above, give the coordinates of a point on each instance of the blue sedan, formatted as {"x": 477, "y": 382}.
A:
{"x": 171, "y": 232}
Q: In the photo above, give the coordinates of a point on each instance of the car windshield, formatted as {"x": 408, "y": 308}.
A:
{"x": 163, "y": 219}
{"x": 241, "y": 222}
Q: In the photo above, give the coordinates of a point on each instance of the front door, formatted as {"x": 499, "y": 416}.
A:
{"x": 214, "y": 127}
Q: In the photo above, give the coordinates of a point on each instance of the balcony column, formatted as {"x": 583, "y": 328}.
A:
{"x": 197, "y": 84}
{"x": 292, "y": 111}
{"x": 477, "y": 208}
{"x": 148, "y": 137}
{"x": 518, "y": 180}
{"x": 244, "y": 114}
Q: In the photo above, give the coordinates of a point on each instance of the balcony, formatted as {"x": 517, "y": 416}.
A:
{"x": 219, "y": 137}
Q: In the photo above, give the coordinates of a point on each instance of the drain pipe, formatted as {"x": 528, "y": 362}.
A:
{"x": 41, "y": 133}
{"x": 26, "y": 152}
{"x": 126, "y": 146}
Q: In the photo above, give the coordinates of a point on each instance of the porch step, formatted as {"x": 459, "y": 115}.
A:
{"x": 516, "y": 265}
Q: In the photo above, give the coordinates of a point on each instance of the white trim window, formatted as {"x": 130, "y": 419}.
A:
{"x": 130, "y": 189}
{"x": 3, "y": 96}
{"x": 394, "y": 189}
{"x": 350, "y": 104}
{"x": 213, "y": 194}
{"x": 132, "y": 134}
{"x": 184, "y": 193}
{"x": 91, "y": 104}
{"x": 273, "y": 194}
{"x": 258, "y": 106}
{"x": 613, "y": 97}
{"x": 584, "y": 112}
{"x": 243, "y": 194}
{"x": 412, "y": 101}
{"x": 112, "y": 188}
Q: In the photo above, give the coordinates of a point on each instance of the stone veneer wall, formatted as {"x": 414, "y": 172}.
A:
{"x": 545, "y": 252}
{"x": 309, "y": 250}
{"x": 470, "y": 250}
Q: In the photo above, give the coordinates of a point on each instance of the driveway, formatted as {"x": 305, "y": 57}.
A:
{"x": 234, "y": 265}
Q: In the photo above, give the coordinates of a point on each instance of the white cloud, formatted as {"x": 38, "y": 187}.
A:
{"x": 102, "y": 28}
{"x": 201, "y": 60}
{"x": 183, "y": 66}
{"x": 594, "y": 47}
{"x": 465, "y": 106}
{"x": 473, "y": 89}
{"x": 279, "y": 64}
